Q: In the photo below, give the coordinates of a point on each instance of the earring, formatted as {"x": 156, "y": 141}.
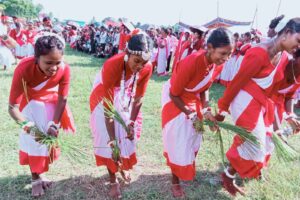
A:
{"x": 126, "y": 58}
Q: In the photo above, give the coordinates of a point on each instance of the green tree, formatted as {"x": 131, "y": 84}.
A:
{"x": 21, "y": 8}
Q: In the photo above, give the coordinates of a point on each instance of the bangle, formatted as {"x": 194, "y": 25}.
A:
{"x": 228, "y": 174}
{"x": 223, "y": 113}
{"x": 4, "y": 38}
{"x": 279, "y": 132}
{"x": 130, "y": 123}
{"x": 112, "y": 142}
{"x": 52, "y": 124}
{"x": 27, "y": 124}
{"x": 205, "y": 110}
{"x": 289, "y": 116}
{"x": 23, "y": 123}
{"x": 192, "y": 116}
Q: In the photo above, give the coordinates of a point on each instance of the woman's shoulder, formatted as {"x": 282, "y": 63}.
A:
{"x": 26, "y": 63}
{"x": 196, "y": 58}
{"x": 258, "y": 52}
{"x": 114, "y": 64}
{"x": 115, "y": 59}
{"x": 147, "y": 69}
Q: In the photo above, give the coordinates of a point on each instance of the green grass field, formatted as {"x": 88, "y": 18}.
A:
{"x": 151, "y": 177}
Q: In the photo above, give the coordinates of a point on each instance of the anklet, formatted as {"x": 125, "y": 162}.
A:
{"x": 228, "y": 174}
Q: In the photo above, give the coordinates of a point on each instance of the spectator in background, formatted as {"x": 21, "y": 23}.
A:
{"x": 163, "y": 53}
{"x": 116, "y": 41}
{"x": 173, "y": 41}
{"x": 47, "y": 24}
{"x": 103, "y": 35}
{"x": 92, "y": 37}
{"x": 123, "y": 37}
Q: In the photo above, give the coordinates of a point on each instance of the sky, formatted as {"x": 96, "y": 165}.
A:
{"x": 169, "y": 12}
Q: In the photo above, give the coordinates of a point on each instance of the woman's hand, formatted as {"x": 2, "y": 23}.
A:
{"x": 52, "y": 131}
{"x": 130, "y": 133}
{"x": 220, "y": 117}
{"x": 295, "y": 124}
{"x": 209, "y": 116}
{"x": 115, "y": 151}
{"x": 27, "y": 126}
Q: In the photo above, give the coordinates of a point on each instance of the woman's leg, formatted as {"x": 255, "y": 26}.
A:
{"x": 228, "y": 181}
{"x": 37, "y": 185}
{"x": 177, "y": 190}
{"x": 115, "y": 191}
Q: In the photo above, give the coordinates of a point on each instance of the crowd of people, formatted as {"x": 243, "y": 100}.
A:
{"x": 261, "y": 75}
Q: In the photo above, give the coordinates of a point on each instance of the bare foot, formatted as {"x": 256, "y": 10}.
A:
{"x": 115, "y": 191}
{"x": 177, "y": 191}
{"x": 37, "y": 188}
{"x": 126, "y": 176}
{"x": 230, "y": 186}
{"x": 46, "y": 183}
{"x": 261, "y": 177}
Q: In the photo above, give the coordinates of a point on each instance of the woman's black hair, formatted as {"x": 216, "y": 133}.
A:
{"x": 18, "y": 25}
{"x": 46, "y": 44}
{"x": 297, "y": 53}
{"x": 140, "y": 42}
{"x": 292, "y": 69}
{"x": 220, "y": 37}
{"x": 165, "y": 30}
{"x": 293, "y": 26}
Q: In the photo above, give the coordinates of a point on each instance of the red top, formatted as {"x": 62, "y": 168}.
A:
{"x": 72, "y": 32}
{"x": 111, "y": 74}
{"x": 192, "y": 76}
{"x": 285, "y": 90}
{"x": 30, "y": 34}
{"x": 196, "y": 46}
{"x": 244, "y": 48}
{"x": 256, "y": 64}
{"x": 20, "y": 37}
{"x": 29, "y": 71}
{"x": 123, "y": 39}
{"x": 189, "y": 72}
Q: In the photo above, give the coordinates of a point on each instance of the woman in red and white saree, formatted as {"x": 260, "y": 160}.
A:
{"x": 122, "y": 81}
{"x": 248, "y": 98}
{"x": 286, "y": 93}
{"x": 163, "y": 53}
{"x": 184, "y": 100}
{"x": 38, "y": 98}
{"x": 19, "y": 35}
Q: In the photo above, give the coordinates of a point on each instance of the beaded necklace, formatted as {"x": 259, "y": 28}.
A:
{"x": 132, "y": 90}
